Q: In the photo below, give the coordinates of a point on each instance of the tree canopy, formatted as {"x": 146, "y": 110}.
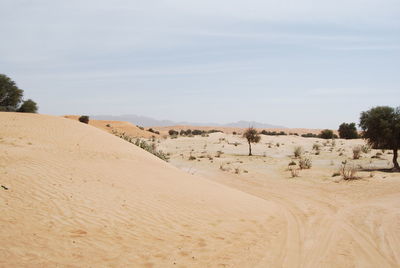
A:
{"x": 381, "y": 128}
{"x": 28, "y": 106}
{"x": 348, "y": 131}
{"x": 11, "y": 97}
{"x": 252, "y": 136}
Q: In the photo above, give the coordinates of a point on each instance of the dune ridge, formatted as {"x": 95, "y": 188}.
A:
{"x": 78, "y": 196}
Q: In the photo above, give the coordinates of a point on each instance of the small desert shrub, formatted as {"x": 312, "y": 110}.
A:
{"x": 237, "y": 171}
{"x": 234, "y": 133}
{"x": 108, "y": 125}
{"x": 298, "y": 151}
{"x": 357, "y": 152}
{"x": 305, "y": 163}
{"x": 294, "y": 171}
{"x": 335, "y": 174}
{"x": 150, "y": 147}
{"x": 191, "y": 157}
{"x": 316, "y": 147}
{"x": 84, "y": 119}
{"x": 348, "y": 171}
{"x": 140, "y": 127}
{"x": 219, "y": 153}
{"x": 365, "y": 149}
{"x": 292, "y": 163}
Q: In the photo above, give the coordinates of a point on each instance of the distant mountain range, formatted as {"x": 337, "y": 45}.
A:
{"x": 151, "y": 122}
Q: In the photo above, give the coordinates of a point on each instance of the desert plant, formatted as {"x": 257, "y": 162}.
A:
{"x": 348, "y": 131}
{"x": 294, "y": 171}
{"x": 28, "y": 106}
{"x": 151, "y": 148}
{"x": 173, "y": 132}
{"x": 252, "y": 136}
{"x": 365, "y": 149}
{"x": 327, "y": 134}
{"x": 84, "y": 119}
{"x": 348, "y": 171}
{"x": 219, "y": 153}
{"x": 305, "y": 163}
{"x": 298, "y": 151}
{"x": 316, "y": 147}
{"x": 381, "y": 128}
{"x": 357, "y": 152}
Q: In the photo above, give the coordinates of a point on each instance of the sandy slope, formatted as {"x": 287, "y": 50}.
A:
{"x": 118, "y": 126}
{"x": 80, "y": 197}
{"x": 329, "y": 222}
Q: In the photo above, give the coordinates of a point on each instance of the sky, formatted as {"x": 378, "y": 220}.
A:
{"x": 298, "y": 63}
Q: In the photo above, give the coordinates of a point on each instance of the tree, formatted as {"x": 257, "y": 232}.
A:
{"x": 381, "y": 128}
{"x": 327, "y": 134}
{"x": 10, "y": 94}
{"x": 84, "y": 119}
{"x": 348, "y": 131}
{"x": 28, "y": 106}
{"x": 252, "y": 136}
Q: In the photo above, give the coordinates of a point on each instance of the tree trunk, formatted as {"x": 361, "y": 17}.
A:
{"x": 395, "y": 163}
{"x": 250, "y": 148}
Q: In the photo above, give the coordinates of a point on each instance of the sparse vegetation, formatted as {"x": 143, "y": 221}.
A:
{"x": 273, "y": 133}
{"x": 357, "y": 152}
{"x": 305, "y": 163}
{"x": 298, "y": 151}
{"x": 151, "y": 148}
{"x": 348, "y": 171}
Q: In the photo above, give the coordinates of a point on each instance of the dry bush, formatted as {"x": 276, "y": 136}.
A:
{"x": 365, "y": 149}
{"x": 305, "y": 163}
{"x": 219, "y": 153}
{"x": 294, "y": 171}
{"x": 298, "y": 151}
{"x": 348, "y": 171}
{"x": 357, "y": 152}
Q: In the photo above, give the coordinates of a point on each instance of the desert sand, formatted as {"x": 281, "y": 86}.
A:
{"x": 117, "y": 126}
{"x": 77, "y": 196}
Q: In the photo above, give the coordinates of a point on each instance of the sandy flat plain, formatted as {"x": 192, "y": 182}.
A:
{"x": 77, "y": 196}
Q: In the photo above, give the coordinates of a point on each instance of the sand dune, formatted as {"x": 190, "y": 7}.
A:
{"x": 76, "y": 196}
{"x": 118, "y": 126}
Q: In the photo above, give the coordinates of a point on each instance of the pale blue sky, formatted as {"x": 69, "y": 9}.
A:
{"x": 297, "y": 63}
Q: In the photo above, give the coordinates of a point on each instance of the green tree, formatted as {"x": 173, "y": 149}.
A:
{"x": 10, "y": 94}
{"x": 381, "y": 128}
{"x": 28, "y": 106}
{"x": 348, "y": 131}
{"x": 252, "y": 136}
